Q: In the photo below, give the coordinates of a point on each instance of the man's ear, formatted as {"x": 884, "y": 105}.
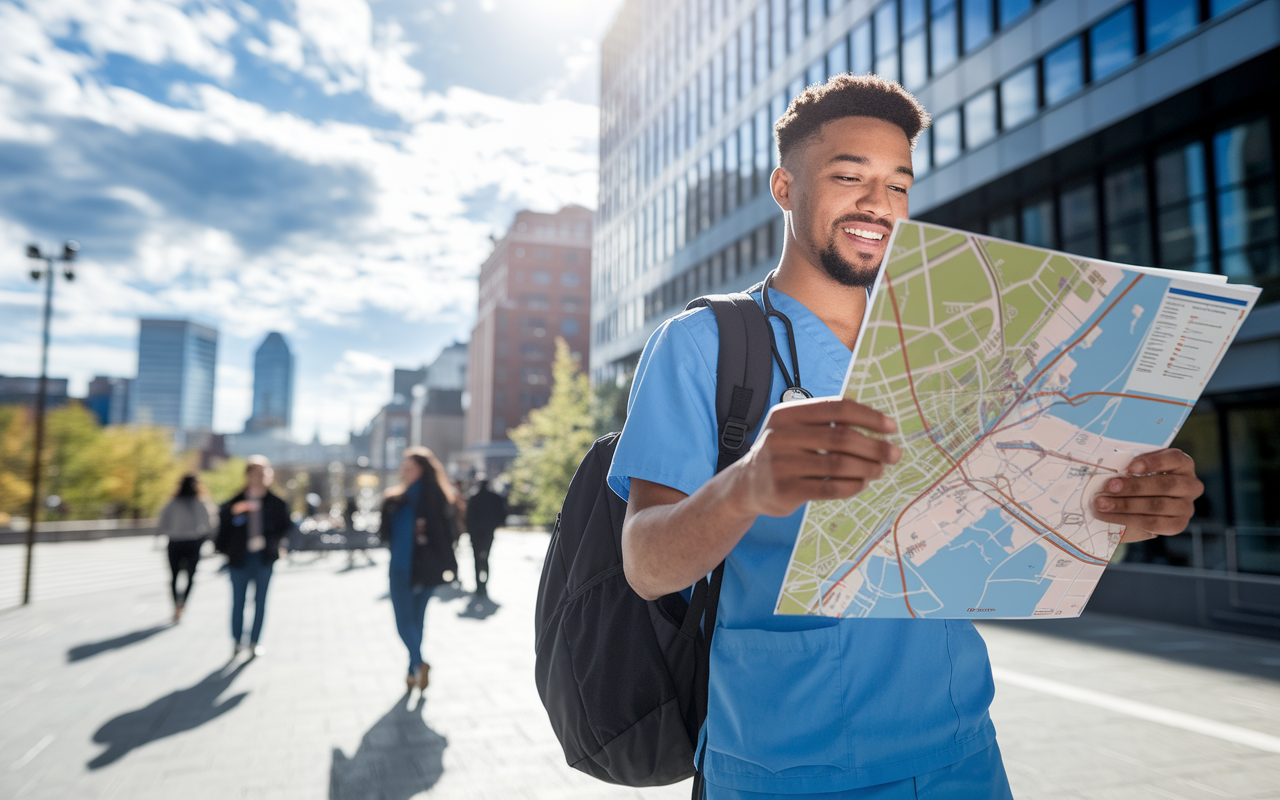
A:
{"x": 780, "y": 185}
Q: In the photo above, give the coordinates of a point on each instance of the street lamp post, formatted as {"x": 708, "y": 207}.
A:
{"x": 69, "y": 250}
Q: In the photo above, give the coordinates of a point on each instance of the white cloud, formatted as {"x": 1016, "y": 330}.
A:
{"x": 321, "y": 223}
{"x": 232, "y": 397}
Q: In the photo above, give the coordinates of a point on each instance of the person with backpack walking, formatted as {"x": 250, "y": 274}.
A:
{"x": 486, "y": 510}
{"x": 251, "y": 527}
{"x": 187, "y": 520}
{"x": 812, "y": 706}
{"x": 418, "y": 524}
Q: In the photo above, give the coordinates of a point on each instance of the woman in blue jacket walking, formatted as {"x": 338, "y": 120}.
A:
{"x": 418, "y": 524}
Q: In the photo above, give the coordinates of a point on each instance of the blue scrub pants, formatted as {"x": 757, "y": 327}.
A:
{"x": 410, "y": 606}
{"x": 253, "y": 569}
{"x": 981, "y": 776}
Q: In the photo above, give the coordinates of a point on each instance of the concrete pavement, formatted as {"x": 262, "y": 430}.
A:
{"x": 100, "y": 698}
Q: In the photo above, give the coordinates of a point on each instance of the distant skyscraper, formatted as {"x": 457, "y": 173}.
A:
{"x": 177, "y": 360}
{"x": 272, "y": 385}
{"x": 109, "y": 399}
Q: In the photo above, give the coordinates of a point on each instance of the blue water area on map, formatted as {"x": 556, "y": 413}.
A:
{"x": 1105, "y": 365}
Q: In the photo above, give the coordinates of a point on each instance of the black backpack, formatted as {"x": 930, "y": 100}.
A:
{"x": 624, "y": 680}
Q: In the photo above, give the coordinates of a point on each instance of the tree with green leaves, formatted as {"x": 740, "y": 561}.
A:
{"x": 553, "y": 440}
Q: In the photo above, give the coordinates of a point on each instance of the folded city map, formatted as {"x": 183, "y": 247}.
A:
{"x": 1021, "y": 379}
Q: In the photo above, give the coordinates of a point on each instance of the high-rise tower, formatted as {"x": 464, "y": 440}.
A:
{"x": 177, "y": 361}
{"x": 272, "y": 385}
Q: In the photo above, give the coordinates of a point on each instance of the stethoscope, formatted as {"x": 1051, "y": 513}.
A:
{"x": 794, "y": 390}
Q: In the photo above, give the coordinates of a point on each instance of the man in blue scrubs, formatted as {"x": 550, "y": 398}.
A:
{"x": 824, "y": 708}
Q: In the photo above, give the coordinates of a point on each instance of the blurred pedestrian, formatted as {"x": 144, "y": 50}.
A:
{"x": 251, "y": 527}
{"x": 419, "y": 524}
{"x": 486, "y": 510}
{"x": 187, "y": 520}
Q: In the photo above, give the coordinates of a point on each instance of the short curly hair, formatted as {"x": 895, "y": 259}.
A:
{"x": 848, "y": 95}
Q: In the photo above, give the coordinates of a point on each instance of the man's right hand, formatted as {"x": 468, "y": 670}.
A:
{"x": 814, "y": 450}
{"x": 806, "y": 450}
{"x": 244, "y": 507}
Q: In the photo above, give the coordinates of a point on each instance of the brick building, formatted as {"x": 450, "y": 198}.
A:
{"x": 534, "y": 287}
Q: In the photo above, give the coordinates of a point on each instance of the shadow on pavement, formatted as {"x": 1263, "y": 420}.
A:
{"x": 176, "y": 712}
{"x": 82, "y": 651}
{"x": 397, "y": 758}
{"x": 449, "y": 591}
{"x": 1195, "y": 646}
{"x": 479, "y": 607}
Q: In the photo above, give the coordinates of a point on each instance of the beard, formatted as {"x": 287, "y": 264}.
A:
{"x": 861, "y": 274}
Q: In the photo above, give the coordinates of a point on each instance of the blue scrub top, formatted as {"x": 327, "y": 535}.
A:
{"x": 798, "y": 704}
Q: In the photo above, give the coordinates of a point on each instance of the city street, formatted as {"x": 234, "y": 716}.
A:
{"x": 101, "y": 698}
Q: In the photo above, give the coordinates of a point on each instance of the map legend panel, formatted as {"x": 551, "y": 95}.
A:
{"x": 1191, "y": 331}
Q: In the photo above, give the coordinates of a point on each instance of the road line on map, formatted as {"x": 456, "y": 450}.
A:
{"x": 1163, "y": 716}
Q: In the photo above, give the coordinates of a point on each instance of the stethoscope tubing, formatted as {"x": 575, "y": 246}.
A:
{"x": 793, "y": 387}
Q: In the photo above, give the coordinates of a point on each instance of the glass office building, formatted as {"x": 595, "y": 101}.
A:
{"x": 177, "y": 362}
{"x": 1141, "y": 131}
{"x": 272, "y": 385}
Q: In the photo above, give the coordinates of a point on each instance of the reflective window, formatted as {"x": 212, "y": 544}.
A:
{"x": 1003, "y": 226}
{"x": 1217, "y": 7}
{"x": 1018, "y": 98}
{"x": 778, "y": 32}
{"x": 1182, "y": 214}
{"x": 705, "y": 191}
{"x": 886, "y": 40}
{"x": 1078, "y": 209}
{"x": 980, "y": 119}
{"x": 861, "y": 58}
{"x": 1245, "y": 183}
{"x": 730, "y": 72}
{"x": 763, "y": 141}
{"x": 761, "y": 30}
{"x": 838, "y": 58}
{"x": 1112, "y": 44}
{"x": 1037, "y": 223}
{"x": 570, "y": 279}
{"x": 1124, "y": 193}
{"x": 817, "y": 72}
{"x": 717, "y": 204}
{"x": 795, "y": 25}
{"x": 1010, "y": 10}
{"x": 920, "y": 156}
{"x": 1254, "y": 444}
{"x": 717, "y": 87}
{"x": 1166, "y": 20}
{"x": 1064, "y": 71}
{"x": 794, "y": 88}
{"x": 944, "y": 40}
{"x": 746, "y": 162}
{"x": 977, "y": 23}
{"x": 915, "y": 66}
{"x": 946, "y": 137}
{"x": 704, "y": 100}
{"x": 915, "y": 57}
{"x": 817, "y": 13}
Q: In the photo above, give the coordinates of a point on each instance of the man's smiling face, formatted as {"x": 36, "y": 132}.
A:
{"x": 846, "y": 187}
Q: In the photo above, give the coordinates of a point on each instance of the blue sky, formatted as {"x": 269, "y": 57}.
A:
{"x": 331, "y": 169}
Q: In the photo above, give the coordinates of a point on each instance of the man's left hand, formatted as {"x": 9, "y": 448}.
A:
{"x": 1154, "y": 499}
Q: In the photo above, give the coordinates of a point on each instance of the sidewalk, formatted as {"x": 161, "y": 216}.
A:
{"x": 99, "y": 698}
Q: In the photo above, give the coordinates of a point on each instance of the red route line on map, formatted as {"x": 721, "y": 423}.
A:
{"x": 955, "y": 463}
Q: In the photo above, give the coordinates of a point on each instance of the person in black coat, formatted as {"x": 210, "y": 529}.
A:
{"x": 251, "y": 526}
{"x": 419, "y": 525}
{"x": 486, "y": 510}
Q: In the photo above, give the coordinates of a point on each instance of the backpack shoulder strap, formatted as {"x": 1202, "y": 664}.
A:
{"x": 743, "y": 371}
